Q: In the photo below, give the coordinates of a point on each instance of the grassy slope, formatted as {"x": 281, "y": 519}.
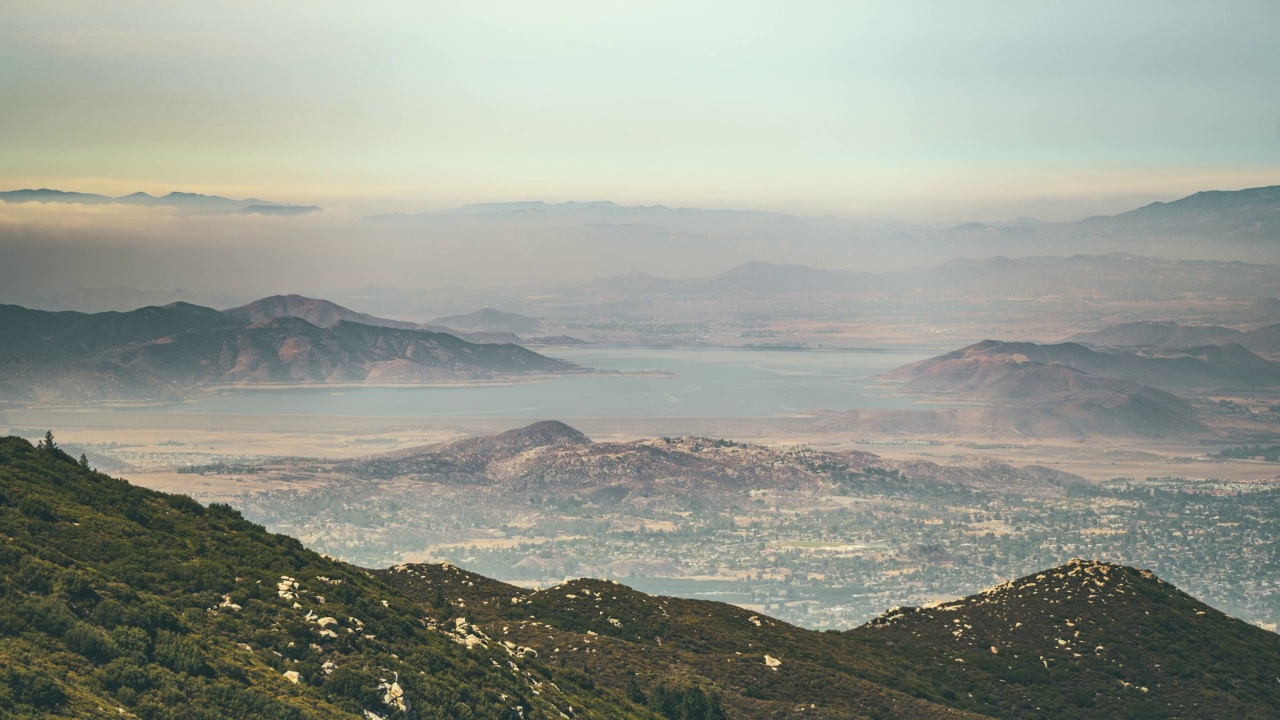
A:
{"x": 110, "y": 598}
{"x": 114, "y": 597}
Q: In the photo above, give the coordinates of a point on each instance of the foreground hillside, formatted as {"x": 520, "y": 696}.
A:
{"x": 118, "y": 601}
{"x": 1084, "y": 640}
{"x": 1087, "y": 639}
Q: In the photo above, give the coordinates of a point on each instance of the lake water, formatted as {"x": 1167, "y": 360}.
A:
{"x": 703, "y": 383}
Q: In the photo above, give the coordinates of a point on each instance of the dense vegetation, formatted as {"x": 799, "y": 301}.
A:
{"x": 1270, "y": 453}
{"x": 119, "y": 601}
{"x": 1087, "y": 639}
{"x": 115, "y": 598}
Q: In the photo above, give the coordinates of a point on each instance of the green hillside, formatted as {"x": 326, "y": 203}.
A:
{"x": 1087, "y": 639}
{"x": 118, "y": 601}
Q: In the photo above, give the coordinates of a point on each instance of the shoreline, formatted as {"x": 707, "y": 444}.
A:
{"x": 207, "y": 392}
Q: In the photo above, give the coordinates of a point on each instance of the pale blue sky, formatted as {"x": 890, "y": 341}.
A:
{"x": 906, "y": 109}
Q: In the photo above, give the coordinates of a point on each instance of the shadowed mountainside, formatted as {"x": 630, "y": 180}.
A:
{"x": 171, "y": 351}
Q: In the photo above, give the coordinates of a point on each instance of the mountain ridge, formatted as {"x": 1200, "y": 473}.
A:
{"x": 168, "y": 352}
{"x": 186, "y": 200}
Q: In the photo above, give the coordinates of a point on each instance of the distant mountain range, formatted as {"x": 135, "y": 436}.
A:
{"x": 1237, "y": 224}
{"x": 170, "y": 351}
{"x": 1156, "y": 336}
{"x": 187, "y": 201}
{"x": 1252, "y": 214}
{"x": 115, "y": 601}
{"x": 1112, "y": 275}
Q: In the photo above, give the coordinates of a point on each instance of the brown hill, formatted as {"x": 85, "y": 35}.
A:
{"x": 995, "y": 369}
{"x": 1148, "y": 333}
{"x": 172, "y": 351}
{"x": 293, "y": 350}
{"x": 320, "y": 313}
{"x": 553, "y": 456}
{"x": 1264, "y": 340}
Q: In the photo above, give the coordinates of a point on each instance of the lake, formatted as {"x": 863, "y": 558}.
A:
{"x": 703, "y": 383}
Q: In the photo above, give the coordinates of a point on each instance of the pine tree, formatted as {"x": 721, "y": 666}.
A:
{"x": 48, "y": 444}
{"x": 84, "y": 461}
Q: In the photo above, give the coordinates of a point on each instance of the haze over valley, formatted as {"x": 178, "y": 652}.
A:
{"x": 662, "y": 361}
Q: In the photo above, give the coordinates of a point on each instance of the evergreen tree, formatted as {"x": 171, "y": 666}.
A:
{"x": 84, "y": 461}
{"x": 48, "y": 444}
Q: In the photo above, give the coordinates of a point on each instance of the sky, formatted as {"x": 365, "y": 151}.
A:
{"x": 912, "y": 110}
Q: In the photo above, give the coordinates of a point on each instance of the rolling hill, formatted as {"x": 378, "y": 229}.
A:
{"x": 119, "y": 601}
{"x": 490, "y": 321}
{"x": 999, "y": 370}
{"x": 1069, "y": 390}
{"x": 1163, "y": 336}
{"x": 1117, "y": 642}
{"x": 324, "y": 313}
{"x": 550, "y": 456}
{"x": 122, "y": 602}
{"x": 1148, "y": 333}
{"x": 1088, "y": 639}
{"x": 171, "y": 351}
{"x": 320, "y": 313}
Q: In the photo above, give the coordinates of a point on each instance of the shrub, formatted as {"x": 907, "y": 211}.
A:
{"x": 90, "y": 641}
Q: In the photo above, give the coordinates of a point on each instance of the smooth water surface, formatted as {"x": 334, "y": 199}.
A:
{"x": 703, "y": 383}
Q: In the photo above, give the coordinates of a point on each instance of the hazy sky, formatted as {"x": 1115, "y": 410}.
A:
{"x": 903, "y": 109}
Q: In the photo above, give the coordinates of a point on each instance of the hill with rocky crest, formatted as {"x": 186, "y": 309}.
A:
{"x": 551, "y": 456}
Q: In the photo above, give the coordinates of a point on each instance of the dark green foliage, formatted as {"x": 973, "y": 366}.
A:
{"x": 36, "y": 509}
{"x": 180, "y": 654}
{"x": 115, "y": 596}
{"x": 90, "y": 641}
{"x": 688, "y": 704}
{"x": 1270, "y": 453}
{"x": 31, "y": 689}
{"x": 1194, "y": 661}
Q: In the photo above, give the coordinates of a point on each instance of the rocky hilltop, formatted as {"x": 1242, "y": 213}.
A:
{"x": 1088, "y": 639}
{"x": 552, "y": 456}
